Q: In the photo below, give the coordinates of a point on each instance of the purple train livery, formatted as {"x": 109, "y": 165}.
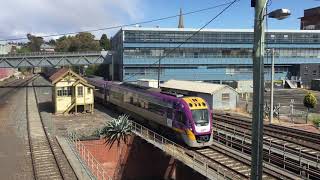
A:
{"x": 189, "y": 117}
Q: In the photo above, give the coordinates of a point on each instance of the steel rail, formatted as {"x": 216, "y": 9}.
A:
{"x": 65, "y": 172}
{"x": 277, "y": 155}
{"x": 284, "y": 133}
{"x": 44, "y": 162}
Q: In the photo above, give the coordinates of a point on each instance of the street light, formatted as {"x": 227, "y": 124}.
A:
{"x": 276, "y": 14}
{"x": 279, "y": 14}
{"x": 258, "y": 83}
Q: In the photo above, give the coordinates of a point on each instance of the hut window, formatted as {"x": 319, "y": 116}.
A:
{"x": 60, "y": 91}
{"x": 80, "y": 91}
{"x": 64, "y": 91}
{"x": 89, "y": 90}
{"x": 225, "y": 97}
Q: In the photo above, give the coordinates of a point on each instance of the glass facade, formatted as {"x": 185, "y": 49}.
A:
{"x": 153, "y": 36}
{"x": 210, "y": 55}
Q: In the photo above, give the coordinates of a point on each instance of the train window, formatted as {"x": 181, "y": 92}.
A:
{"x": 169, "y": 113}
{"x": 117, "y": 95}
{"x": 156, "y": 108}
{"x": 180, "y": 117}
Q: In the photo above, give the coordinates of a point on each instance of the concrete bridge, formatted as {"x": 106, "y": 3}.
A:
{"x": 55, "y": 59}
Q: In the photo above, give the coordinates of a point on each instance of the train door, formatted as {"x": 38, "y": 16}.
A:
{"x": 107, "y": 95}
{"x": 169, "y": 117}
{"x": 180, "y": 119}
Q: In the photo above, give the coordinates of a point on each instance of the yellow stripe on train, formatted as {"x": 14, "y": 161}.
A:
{"x": 188, "y": 132}
{"x": 195, "y": 103}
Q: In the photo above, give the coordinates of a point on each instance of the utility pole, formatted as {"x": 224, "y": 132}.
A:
{"x": 159, "y": 69}
{"x": 112, "y": 67}
{"x": 271, "y": 87}
{"x": 258, "y": 90}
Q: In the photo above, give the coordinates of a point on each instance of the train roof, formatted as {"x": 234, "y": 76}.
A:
{"x": 146, "y": 91}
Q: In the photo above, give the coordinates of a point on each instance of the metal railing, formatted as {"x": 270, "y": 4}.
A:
{"x": 50, "y": 53}
{"x": 90, "y": 161}
{"x": 201, "y": 164}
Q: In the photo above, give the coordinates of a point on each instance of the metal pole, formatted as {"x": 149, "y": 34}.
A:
{"x": 112, "y": 68}
{"x": 271, "y": 87}
{"x": 258, "y": 91}
{"x": 159, "y": 67}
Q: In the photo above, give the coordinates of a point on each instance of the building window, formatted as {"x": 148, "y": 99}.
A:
{"x": 314, "y": 72}
{"x": 64, "y": 91}
{"x": 60, "y": 91}
{"x": 89, "y": 90}
{"x": 80, "y": 90}
{"x": 306, "y": 70}
{"x": 225, "y": 97}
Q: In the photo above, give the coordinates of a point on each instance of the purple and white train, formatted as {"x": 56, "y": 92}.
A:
{"x": 189, "y": 117}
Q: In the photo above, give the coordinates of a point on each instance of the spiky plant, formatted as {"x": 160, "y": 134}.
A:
{"x": 117, "y": 130}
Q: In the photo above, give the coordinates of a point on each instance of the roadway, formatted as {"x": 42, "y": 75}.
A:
{"x": 14, "y": 148}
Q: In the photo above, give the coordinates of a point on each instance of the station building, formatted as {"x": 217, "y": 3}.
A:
{"x": 71, "y": 92}
{"x": 212, "y": 55}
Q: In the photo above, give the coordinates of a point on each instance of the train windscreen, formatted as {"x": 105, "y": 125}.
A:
{"x": 200, "y": 117}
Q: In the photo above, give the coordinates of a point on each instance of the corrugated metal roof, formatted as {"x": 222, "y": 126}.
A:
{"x": 193, "y": 86}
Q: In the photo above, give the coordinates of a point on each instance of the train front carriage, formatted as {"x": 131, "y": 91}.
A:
{"x": 198, "y": 127}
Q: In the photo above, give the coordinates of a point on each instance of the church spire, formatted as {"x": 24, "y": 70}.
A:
{"x": 181, "y": 24}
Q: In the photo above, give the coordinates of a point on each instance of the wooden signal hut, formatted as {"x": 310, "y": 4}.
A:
{"x": 71, "y": 93}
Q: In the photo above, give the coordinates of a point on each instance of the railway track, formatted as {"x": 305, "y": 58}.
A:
{"x": 288, "y": 155}
{"x": 62, "y": 162}
{"x": 48, "y": 160}
{"x": 232, "y": 163}
{"x": 302, "y": 138}
{"x": 215, "y": 160}
{"x": 43, "y": 160}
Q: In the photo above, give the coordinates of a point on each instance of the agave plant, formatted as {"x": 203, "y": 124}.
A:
{"x": 117, "y": 130}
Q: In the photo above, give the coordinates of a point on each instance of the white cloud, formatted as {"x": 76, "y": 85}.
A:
{"x": 41, "y": 17}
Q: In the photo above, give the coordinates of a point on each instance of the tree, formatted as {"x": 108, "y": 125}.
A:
{"x": 34, "y": 42}
{"x": 104, "y": 42}
{"x": 309, "y": 101}
{"x": 83, "y": 41}
{"x": 63, "y": 44}
{"x": 52, "y": 42}
{"x": 117, "y": 131}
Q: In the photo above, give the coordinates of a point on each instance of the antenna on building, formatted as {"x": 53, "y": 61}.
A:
{"x": 181, "y": 24}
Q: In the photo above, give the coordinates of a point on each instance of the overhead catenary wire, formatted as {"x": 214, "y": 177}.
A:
{"x": 196, "y": 32}
{"x": 123, "y": 25}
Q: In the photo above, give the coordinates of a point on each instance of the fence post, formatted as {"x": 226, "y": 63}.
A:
{"x": 291, "y": 110}
{"x": 279, "y": 111}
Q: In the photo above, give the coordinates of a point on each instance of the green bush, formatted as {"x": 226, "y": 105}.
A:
{"x": 316, "y": 121}
{"x": 310, "y": 101}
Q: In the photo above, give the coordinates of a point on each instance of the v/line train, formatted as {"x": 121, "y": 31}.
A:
{"x": 189, "y": 117}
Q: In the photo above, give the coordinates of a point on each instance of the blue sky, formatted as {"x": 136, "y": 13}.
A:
{"x": 238, "y": 16}
{"x": 43, "y": 17}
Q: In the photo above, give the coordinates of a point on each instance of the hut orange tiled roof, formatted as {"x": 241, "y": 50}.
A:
{"x": 61, "y": 72}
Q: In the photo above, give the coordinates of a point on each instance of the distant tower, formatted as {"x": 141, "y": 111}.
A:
{"x": 181, "y": 24}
